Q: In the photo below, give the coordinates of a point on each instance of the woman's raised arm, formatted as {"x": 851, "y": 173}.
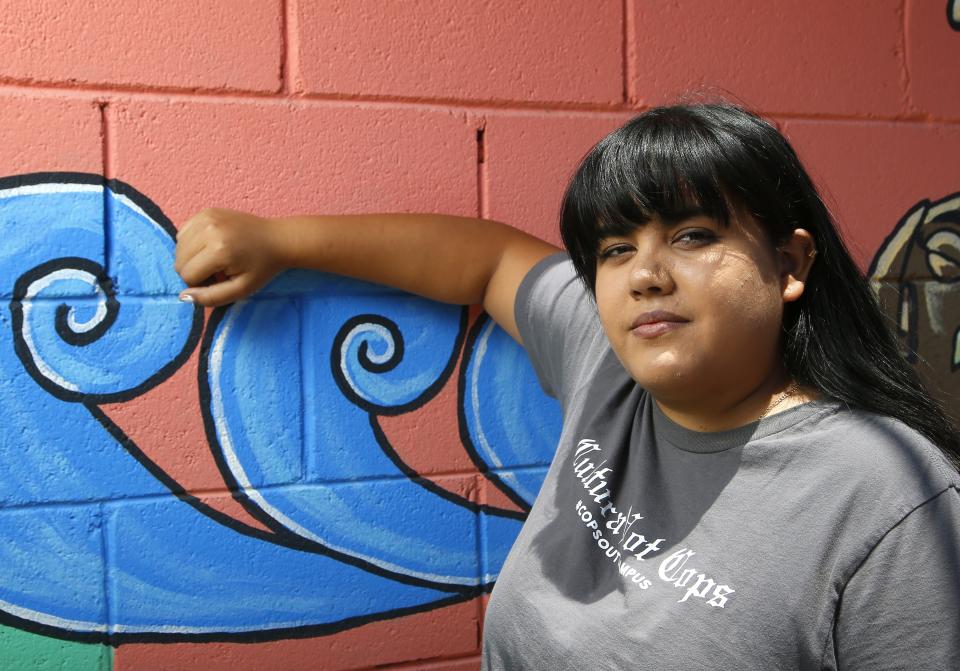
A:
{"x": 445, "y": 258}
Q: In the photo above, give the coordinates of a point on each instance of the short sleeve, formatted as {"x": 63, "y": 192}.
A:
{"x": 901, "y": 608}
{"x": 558, "y": 323}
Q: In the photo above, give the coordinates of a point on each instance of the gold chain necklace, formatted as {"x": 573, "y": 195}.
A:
{"x": 789, "y": 391}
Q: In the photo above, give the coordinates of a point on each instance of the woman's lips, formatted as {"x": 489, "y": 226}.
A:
{"x": 654, "y": 329}
{"x": 656, "y": 323}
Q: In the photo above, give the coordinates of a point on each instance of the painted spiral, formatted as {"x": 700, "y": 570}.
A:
{"x": 71, "y": 332}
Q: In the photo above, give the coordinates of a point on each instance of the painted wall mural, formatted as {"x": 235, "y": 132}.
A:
{"x": 329, "y": 474}
{"x": 915, "y": 274}
{"x": 309, "y": 395}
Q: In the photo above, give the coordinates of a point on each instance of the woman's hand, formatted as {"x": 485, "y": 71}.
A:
{"x": 224, "y": 255}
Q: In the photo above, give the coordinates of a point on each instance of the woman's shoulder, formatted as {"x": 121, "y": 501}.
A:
{"x": 878, "y": 453}
{"x": 557, "y": 320}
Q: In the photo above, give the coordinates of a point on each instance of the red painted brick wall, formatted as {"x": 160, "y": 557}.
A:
{"x": 288, "y": 106}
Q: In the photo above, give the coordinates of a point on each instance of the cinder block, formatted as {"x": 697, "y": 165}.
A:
{"x": 796, "y": 56}
{"x": 60, "y": 445}
{"x": 48, "y": 134}
{"x": 52, "y": 225}
{"x": 181, "y": 44}
{"x": 377, "y": 370}
{"x": 502, "y": 50}
{"x": 53, "y": 570}
{"x": 177, "y": 577}
{"x": 427, "y": 438}
{"x": 396, "y": 525}
{"x": 933, "y": 51}
{"x": 230, "y": 413}
{"x": 280, "y": 158}
{"x": 447, "y": 630}
{"x": 530, "y": 160}
{"x": 874, "y": 173}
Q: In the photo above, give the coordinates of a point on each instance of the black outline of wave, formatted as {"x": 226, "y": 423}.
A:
{"x": 950, "y": 5}
{"x": 197, "y": 330}
{"x": 433, "y": 487}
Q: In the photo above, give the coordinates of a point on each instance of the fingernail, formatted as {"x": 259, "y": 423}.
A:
{"x": 186, "y": 298}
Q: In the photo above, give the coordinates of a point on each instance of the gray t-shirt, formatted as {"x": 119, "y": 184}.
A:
{"x": 817, "y": 538}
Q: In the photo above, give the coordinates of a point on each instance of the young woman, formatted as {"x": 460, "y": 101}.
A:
{"x": 749, "y": 476}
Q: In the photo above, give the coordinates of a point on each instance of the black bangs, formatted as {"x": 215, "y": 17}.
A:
{"x": 671, "y": 163}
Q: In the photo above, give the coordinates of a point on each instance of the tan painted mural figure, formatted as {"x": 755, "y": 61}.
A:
{"x": 750, "y": 474}
{"x": 915, "y": 274}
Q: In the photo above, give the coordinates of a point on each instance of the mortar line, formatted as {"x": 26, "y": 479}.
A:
{"x": 445, "y": 105}
{"x": 105, "y": 556}
{"x": 301, "y": 304}
{"x": 625, "y": 47}
{"x": 480, "y": 482}
{"x": 186, "y": 94}
{"x": 284, "y": 83}
{"x": 438, "y": 663}
{"x": 106, "y": 168}
{"x": 226, "y": 492}
{"x": 482, "y": 204}
{"x": 904, "y": 59}
{"x": 291, "y": 47}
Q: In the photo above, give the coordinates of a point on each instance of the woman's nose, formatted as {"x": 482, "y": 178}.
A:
{"x": 648, "y": 275}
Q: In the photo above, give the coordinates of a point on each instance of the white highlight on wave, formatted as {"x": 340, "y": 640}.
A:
{"x": 85, "y": 626}
{"x": 489, "y": 454}
{"x": 51, "y": 620}
{"x": 49, "y": 187}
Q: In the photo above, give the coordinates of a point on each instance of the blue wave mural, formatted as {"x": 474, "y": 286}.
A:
{"x": 98, "y": 544}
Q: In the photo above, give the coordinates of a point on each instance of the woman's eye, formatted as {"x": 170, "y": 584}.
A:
{"x": 695, "y": 237}
{"x": 613, "y": 251}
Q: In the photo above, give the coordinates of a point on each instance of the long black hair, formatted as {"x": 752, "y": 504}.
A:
{"x": 725, "y": 160}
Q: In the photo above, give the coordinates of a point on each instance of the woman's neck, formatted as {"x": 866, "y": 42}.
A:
{"x": 776, "y": 394}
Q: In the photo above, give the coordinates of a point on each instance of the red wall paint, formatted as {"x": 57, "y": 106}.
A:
{"x": 287, "y": 106}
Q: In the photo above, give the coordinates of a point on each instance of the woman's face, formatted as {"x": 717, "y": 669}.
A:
{"x": 692, "y": 309}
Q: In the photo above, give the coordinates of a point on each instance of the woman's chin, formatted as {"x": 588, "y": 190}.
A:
{"x": 671, "y": 384}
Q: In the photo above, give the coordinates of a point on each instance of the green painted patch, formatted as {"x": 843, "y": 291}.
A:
{"x": 23, "y": 651}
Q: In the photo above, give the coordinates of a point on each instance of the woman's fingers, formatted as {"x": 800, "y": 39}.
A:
{"x": 187, "y": 247}
{"x": 215, "y": 244}
{"x": 192, "y": 226}
{"x": 220, "y": 293}
{"x": 199, "y": 267}
{"x": 205, "y": 216}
